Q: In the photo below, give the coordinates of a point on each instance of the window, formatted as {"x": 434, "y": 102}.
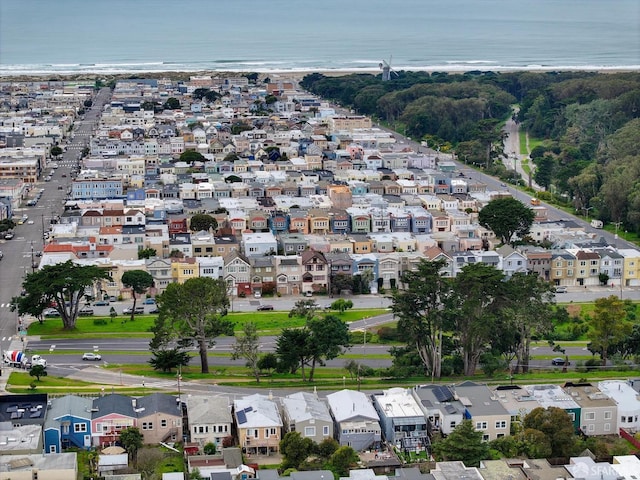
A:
{"x": 481, "y": 425}
{"x": 607, "y": 415}
{"x": 79, "y": 427}
{"x": 572, "y": 416}
{"x": 52, "y": 449}
{"x": 592, "y": 427}
{"x": 485, "y": 438}
{"x": 607, "y": 427}
{"x": 309, "y": 431}
{"x": 325, "y": 430}
{"x": 590, "y": 415}
{"x": 452, "y": 424}
{"x": 147, "y": 425}
{"x": 501, "y": 424}
{"x": 163, "y": 423}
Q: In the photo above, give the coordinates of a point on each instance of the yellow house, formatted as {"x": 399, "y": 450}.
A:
{"x": 259, "y": 424}
{"x": 631, "y": 268}
{"x": 182, "y": 269}
{"x": 361, "y": 244}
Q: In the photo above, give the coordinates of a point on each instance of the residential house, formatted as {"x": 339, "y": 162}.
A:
{"x": 588, "y": 268}
{"x": 316, "y": 272}
{"x": 288, "y": 271}
{"x": 440, "y": 405}
{"x": 111, "y": 414}
{"x": 611, "y": 264}
{"x": 259, "y": 244}
{"x": 389, "y": 269}
{"x": 203, "y": 244}
{"x": 182, "y": 269}
{"x": 292, "y": 243}
{"x": 263, "y": 273}
{"x": 626, "y": 398}
{"x": 538, "y": 260}
{"x": 305, "y": 413}
{"x": 563, "y": 268}
{"x": 259, "y": 424}
{"x": 403, "y": 422}
{"x": 225, "y": 245}
{"x": 484, "y": 410}
{"x": 513, "y": 261}
{"x": 599, "y": 413}
{"x": 160, "y": 270}
{"x": 68, "y": 424}
{"x": 554, "y": 396}
{"x": 357, "y": 423}
{"x": 159, "y": 418}
{"x": 211, "y": 267}
{"x": 210, "y": 419}
{"x": 237, "y": 273}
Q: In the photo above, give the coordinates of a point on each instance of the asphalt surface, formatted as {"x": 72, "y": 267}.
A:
{"x": 20, "y": 253}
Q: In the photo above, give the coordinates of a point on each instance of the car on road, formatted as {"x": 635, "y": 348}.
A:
{"x": 559, "y": 361}
{"x": 95, "y": 357}
{"x": 51, "y": 312}
{"x": 127, "y": 311}
{"x": 30, "y": 222}
{"x": 150, "y": 301}
{"x": 561, "y": 289}
{"x": 86, "y": 311}
{"x": 263, "y": 308}
{"x": 64, "y": 175}
{"x": 154, "y": 309}
{"x": 8, "y": 236}
{"x": 1, "y": 255}
{"x": 503, "y": 184}
{"x": 101, "y": 303}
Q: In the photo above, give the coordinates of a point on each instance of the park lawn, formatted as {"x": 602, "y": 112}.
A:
{"x": 268, "y": 323}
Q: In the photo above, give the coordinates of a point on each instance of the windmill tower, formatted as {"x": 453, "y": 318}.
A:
{"x": 387, "y": 70}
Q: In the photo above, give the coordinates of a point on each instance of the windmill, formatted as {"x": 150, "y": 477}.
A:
{"x": 387, "y": 70}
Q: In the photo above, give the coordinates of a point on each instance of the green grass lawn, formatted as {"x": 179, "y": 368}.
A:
{"x": 268, "y": 323}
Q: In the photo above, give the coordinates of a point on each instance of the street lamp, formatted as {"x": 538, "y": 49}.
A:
{"x": 586, "y": 212}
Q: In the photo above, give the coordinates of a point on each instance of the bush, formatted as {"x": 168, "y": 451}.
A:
{"x": 592, "y": 364}
{"x": 100, "y": 321}
{"x": 209, "y": 448}
{"x": 386, "y": 334}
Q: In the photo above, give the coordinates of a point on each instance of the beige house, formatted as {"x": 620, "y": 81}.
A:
{"x": 210, "y": 419}
{"x": 486, "y": 412}
{"x": 259, "y": 424}
{"x": 159, "y": 418}
{"x": 61, "y": 466}
{"x": 599, "y": 413}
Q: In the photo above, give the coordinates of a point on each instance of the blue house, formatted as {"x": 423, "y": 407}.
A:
{"x": 68, "y": 424}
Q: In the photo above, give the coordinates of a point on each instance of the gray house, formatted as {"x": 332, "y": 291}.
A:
{"x": 357, "y": 423}
{"x": 303, "y": 412}
{"x": 403, "y": 422}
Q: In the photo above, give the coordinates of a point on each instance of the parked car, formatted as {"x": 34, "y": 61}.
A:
{"x": 559, "y": 361}
{"x": 263, "y": 308}
{"x": 101, "y": 303}
{"x": 561, "y": 290}
{"x": 91, "y": 357}
{"x": 150, "y": 301}
{"x": 85, "y": 311}
{"x": 154, "y": 309}
{"x": 8, "y": 236}
{"x": 128, "y": 310}
{"x": 51, "y": 312}
{"x": 257, "y": 294}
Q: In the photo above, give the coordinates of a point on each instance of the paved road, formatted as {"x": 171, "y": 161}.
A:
{"x": 20, "y": 252}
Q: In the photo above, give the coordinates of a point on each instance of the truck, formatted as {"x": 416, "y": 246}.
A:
{"x": 535, "y": 202}
{"x": 16, "y": 358}
{"x": 597, "y": 223}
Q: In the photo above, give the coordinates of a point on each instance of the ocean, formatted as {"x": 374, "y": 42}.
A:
{"x": 129, "y": 36}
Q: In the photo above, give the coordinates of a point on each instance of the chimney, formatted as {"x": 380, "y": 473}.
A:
{"x": 134, "y": 402}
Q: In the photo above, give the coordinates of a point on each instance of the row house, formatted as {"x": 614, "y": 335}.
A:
{"x": 210, "y": 419}
{"x": 305, "y": 413}
{"x": 356, "y": 422}
{"x": 316, "y": 272}
{"x": 259, "y": 424}
{"x": 402, "y": 421}
{"x": 288, "y": 272}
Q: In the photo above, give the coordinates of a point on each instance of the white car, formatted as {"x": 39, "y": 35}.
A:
{"x": 30, "y": 222}
{"x": 91, "y": 356}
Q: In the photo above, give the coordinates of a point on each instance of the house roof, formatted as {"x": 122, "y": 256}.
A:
{"x": 256, "y": 411}
{"x": 69, "y": 405}
{"x": 159, "y": 403}
{"x": 304, "y": 406}
{"x": 113, "y": 403}
{"x": 347, "y": 404}
{"x": 205, "y": 409}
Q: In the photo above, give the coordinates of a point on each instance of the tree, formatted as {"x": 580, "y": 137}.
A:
{"x": 291, "y": 349}
{"x": 328, "y": 336}
{"x": 295, "y": 449}
{"x": 420, "y": 309}
{"x": 342, "y": 460}
{"x": 138, "y": 281}
{"x": 209, "y": 448}
{"x": 528, "y": 312}
{"x": 56, "y": 285}
{"x": 191, "y": 156}
{"x": 507, "y": 217}
{"x": 464, "y": 444}
{"x": 247, "y": 346}
{"x": 56, "y": 151}
{"x": 342, "y": 305}
{"x": 327, "y": 447}
{"x": 193, "y": 312}
{"x": 608, "y": 325}
{"x": 131, "y": 440}
{"x": 201, "y": 221}
{"x": 557, "y": 427}
{"x": 172, "y": 103}
{"x": 268, "y": 362}
{"x": 479, "y": 294}
{"x": 304, "y": 309}
{"x": 38, "y": 371}
{"x": 166, "y": 360}
{"x": 145, "y": 253}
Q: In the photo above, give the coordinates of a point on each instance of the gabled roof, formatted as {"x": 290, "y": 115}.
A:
{"x": 304, "y": 406}
{"x": 207, "y": 410}
{"x": 158, "y": 403}
{"x": 347, "y": 404}
{"x": 69, "y": 405}
{"x": 113, "y": 403}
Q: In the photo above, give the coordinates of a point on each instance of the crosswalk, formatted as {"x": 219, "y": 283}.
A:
{"x": 5, "y": 305}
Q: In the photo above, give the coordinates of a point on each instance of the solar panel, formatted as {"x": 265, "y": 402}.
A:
{"x": 443, "y": 394}
{"x": 427, "y": 403}
{"x": 248, "y": 409}
{"x": 242, "y": 417}
{"x": 450, "y": 409}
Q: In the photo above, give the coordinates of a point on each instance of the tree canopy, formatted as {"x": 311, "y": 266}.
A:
{"x": 508, "y": 218}
{"x": 557, "y": 427}
{"x": 202, "y": 221}
{"x": 464, "y": 444}
{"x": 139, "y": 281}
{"x": 61, "y": 286}
{"x": 247, "y": 346}
{"x": 608, "y": 326}
{"x": 191, "y": 156}
{"x": 193, "y": 312}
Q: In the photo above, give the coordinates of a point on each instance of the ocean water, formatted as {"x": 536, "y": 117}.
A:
{"x": 120, "y": 36}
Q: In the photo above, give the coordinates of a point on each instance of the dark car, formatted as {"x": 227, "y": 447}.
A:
{"x": 101, "y": 303}
{"x": 262, "y": 308}
{"x": 559, "y": 361}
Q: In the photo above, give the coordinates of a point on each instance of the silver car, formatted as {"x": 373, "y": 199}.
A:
{"x": 91, "y": 357}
